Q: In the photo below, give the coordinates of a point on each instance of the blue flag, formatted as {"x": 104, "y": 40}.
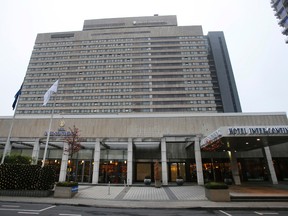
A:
{"x": 16, "y": 97}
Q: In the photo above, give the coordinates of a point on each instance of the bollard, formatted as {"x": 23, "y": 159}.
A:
{"x": 124, "y": 184}
{"x": 109, "y": 188}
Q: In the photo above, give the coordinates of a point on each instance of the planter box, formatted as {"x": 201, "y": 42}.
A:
{"x": 147, "y": 181}
{"x": 26, "y": 193}
{"x": 218, "y": 195}
{"x": 180, "y": 182}
{"x": 65, "y": 192}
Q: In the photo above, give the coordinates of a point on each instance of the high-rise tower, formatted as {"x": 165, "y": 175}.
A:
{"x": 131, "y": 65}
{"x": 281, "y": 12}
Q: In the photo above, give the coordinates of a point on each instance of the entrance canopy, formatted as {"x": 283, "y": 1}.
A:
{"x": 244, "y": 138}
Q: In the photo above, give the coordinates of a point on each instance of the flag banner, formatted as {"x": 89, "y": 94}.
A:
{"x": 16, "y": 97}
{"x": 51, "y": 90}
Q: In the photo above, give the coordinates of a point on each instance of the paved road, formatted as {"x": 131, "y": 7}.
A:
{"x": 13, "y": 209}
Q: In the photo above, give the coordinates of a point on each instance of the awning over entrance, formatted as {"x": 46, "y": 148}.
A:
{"x": 244, "y": 138}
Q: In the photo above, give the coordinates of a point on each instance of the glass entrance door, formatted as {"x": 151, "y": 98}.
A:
{"x": 113, "y": 171}
{"x": 84, "y": 171}
{"x": 177, "y": 170}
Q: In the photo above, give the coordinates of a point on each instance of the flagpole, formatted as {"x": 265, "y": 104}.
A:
{"x": 15, "y": 103}
{"x": 9, "y": 135}
{"x": 49, "y": 129}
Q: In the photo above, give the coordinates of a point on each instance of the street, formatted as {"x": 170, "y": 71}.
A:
{"x": 12, "y": 209}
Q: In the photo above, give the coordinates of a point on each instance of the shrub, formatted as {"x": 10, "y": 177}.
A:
{"x": 26, "y": 177}
{"x": 67, "y": 184}
{"x": 216, "y": 185}
{"x": 46, "y": 178}
{"x": 17, "y": 159}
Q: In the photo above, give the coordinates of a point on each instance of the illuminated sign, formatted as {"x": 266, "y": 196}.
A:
{"x": 212, "y": 137}
{"x": 257, "y": 130}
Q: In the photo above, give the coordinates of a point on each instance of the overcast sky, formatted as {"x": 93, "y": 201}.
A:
{"x": 256, "y": 46}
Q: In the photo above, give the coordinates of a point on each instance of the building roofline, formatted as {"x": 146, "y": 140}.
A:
{"x": 144, "y": 115}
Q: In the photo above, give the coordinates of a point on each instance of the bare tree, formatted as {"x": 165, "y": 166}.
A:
{"x": 74, "y": 145}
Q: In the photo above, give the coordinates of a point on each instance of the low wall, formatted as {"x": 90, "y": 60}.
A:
{"x": 26, "y": 193}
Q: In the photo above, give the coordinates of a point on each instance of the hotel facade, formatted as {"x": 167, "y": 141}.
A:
{"x": 141, "y": 90}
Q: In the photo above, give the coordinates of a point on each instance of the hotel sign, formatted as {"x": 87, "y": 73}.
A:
{"x": 61, "y": 131}
{"x": 212, "y": 137}
{"x": 257, "y": 130}
{"x": 58, "y": 133}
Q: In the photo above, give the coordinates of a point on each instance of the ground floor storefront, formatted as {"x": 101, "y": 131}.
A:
{"x": 128, "y": 149}
{"x": 115, "y": 171}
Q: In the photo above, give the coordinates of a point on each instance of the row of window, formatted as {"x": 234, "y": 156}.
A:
{"x": 118, "y": 90}
{"x": 87, "y": 97}
{"x": 116, "y": 46}
{"x": 122, "y": 49}
{"x": 120, "y": 83}
{"x": 89, "y": 111}
{"x": 193, "y": 42}
{"x": 89, "y": 73}
{"x": 124, "y": 90}
{"x": 103, "y": 61}
{"x": 119, "y": 97}
{"x": 118, "y": 40}
{"x": 119, "y": 66}
{"x": 195, "y": 76}
{"x": 195, "y": 69}
{"x": 67, "y": 53}
{"x": 124, "y": 103}
{"x": 121, "y": 70}
{"x": 112, "y": 60}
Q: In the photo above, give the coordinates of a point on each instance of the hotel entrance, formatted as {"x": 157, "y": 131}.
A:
{"x": 113, "y": 165}
{"x": 113, "y": 171}
{"x": 216, "y": 169}
{"x": 177, "y": 170}
{"x": 79, "y": 170}
{"x": 84, "y": 171}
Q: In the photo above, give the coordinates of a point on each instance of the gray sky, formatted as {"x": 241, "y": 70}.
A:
{"x": 256, "y": 46}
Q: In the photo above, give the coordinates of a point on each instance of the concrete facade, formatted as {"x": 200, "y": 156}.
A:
{"x": 173, "y": 139}
{"x": 129, "y": 65}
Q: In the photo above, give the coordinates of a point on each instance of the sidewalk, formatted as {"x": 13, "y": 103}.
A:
{"x": 164, "y": 197}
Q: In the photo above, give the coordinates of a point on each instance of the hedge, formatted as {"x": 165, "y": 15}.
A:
{"x": 26, "y": 177}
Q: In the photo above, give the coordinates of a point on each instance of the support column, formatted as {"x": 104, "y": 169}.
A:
{"x": 198, "y": 160}
{"x": 35, "y": 152}
{"x": 64, "y": 163}
{"x": 130, "y": 162}
{"x": 96, "y": 165}
{"x": 234, "y": 167}
{"x": 268, "y": 159}
{"x": 164, "y": 162}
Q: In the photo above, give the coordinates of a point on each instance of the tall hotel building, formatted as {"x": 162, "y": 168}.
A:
{"x": 143, "y": 89}
{"x": 131, "y": 65}
{"x": 281, "y": 12}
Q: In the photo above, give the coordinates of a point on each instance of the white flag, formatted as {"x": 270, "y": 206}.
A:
{"x": 51, "y": 90}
